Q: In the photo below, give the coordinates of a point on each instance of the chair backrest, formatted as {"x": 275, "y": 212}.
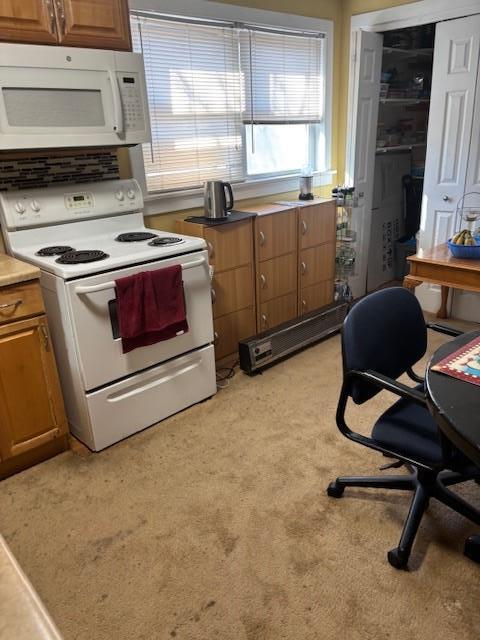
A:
{"x": 386, "y": 332}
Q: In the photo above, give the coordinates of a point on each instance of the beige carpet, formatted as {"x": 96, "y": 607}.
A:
{"x": 215, "y": 525}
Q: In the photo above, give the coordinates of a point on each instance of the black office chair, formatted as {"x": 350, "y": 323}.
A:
{"x": 383, "y": 337}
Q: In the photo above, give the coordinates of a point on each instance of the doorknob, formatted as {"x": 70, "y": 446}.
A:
{"x": 446, "y": 198}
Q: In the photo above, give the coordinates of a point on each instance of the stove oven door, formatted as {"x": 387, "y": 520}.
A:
{"x": 94, "y": 316}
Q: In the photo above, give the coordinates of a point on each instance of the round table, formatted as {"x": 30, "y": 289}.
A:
{"x": 455, "y": 405}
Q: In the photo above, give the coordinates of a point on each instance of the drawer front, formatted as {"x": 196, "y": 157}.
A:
{"x": 317, "y": 224}
{"x": 230, "y": 245}
{"x": 274, "y": 312}
{"x": 277, "y": 277}
{"x": 232, "y": 328}
{"x": 316, "y": 296}
{"x": 232, "y": 290}
{"x": 275, "y": 234}
{"x": 20, "y": 301}
{"x": 317, "y": 264}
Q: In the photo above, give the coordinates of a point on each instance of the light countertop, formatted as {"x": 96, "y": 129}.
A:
{"x": 13, "y": 271}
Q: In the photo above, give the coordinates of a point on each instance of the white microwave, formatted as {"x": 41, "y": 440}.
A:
{"x": 68, "y": 97}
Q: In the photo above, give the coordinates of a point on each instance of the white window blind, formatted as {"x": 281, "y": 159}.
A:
{"x": 284, "y": 77}
{"x": 194, "y": 94}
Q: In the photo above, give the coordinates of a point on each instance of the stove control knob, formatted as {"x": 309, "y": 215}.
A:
{"x": 35, "y": 206}
{"x": 131, "y": 194}
{"x": 19, "y": 208}
{"x": 119, "y": 194}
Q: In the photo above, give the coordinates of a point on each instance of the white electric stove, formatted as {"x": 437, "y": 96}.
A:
{"x": 83, "y": 238}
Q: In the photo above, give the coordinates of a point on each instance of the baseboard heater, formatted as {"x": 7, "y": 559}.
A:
{"x": 267, "y": 347}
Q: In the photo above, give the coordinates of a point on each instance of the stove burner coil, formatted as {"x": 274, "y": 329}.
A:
{"x": 166, "y": 240}
{"x": 136, "y": 236}
{"x": 78, "y": 257}
{"x": 53, "y": 251}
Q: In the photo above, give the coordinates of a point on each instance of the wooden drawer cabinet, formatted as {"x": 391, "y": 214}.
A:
{"x": 102, "y": 24}
{"x": 278, "y": 310}
{"x": 232, "y": 328}
{"x": 20, "y": 301}
{"x": 31, "y": 407}
{"x": 232, "y": 290}
{"x": 317, "y": 264}
{"x": 275, "y": 234}
{"x": 229, "y": 245}
{"x": 316, "y": 296}
{"x": 277, "y": 277}
{"x": 317, "y": 224}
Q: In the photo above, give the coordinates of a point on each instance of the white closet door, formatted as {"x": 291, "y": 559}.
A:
{"x": 368, "y": 52}
{"x": 455, "y": 66}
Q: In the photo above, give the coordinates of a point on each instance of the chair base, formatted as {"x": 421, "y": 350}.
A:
{"x": 425, "y": 484}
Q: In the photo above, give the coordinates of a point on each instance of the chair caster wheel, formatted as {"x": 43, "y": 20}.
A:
{"x": 472, "y": 548}
{"x": 335, "y": 490}
{"x": 398, "y": 559}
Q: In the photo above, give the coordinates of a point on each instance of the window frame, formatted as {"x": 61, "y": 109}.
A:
{"x": 254, "y": 185}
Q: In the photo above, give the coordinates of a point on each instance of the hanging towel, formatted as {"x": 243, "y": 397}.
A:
{"x": 151, "y": 307}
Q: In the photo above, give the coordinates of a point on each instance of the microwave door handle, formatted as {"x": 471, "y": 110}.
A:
{"x": 117, "y": 104}
{"x": 111, "y": 284}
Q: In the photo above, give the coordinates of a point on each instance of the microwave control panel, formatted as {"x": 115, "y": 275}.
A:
{"x": 131, "y": 95}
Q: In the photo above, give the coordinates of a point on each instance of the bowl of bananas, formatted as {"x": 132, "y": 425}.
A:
{"x": 464, "y": 245}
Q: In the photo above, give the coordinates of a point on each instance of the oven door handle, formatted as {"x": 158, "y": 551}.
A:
{"x": 111, "y": 284}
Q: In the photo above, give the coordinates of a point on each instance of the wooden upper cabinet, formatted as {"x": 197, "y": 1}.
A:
{"x": 31, "y": 406}
{"x": 317, "y": 224}
{"x": 101, "y": 24}
{"x": 29, "y": 21}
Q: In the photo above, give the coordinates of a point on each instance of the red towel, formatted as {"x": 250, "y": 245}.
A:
{"x": 151, "y": 307}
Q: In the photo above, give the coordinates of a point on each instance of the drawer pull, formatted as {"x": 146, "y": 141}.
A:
{"x": 263, "y": 281}
{"x": 303, "y": 268}
{"x": 262, "y": 238}
{"x": 214, "y": 295}
{"x": 304, "y": 227}
{"x": 264, "y": 319}
{"x": 15, "y": 303}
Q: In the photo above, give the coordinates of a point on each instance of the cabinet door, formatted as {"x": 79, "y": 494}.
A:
{"x": 275, "y": 234}
{"x": 316, "y": 296}
{"x": 274, "y": 312}
{"x": 232, "y": 328}
{"x": 232, "y": 290}
{"x": 229, "y": 245}
{"x": 31, "y": 407}
{"x": 317, "y": 264}
{"x": 317, "y": 224}
{"x": 277, "y": 277}
{"x": 31, "y": 21}
{"x": 103, "y": 24}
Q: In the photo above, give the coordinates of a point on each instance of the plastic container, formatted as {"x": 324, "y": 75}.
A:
{"x": 470, "y": 252}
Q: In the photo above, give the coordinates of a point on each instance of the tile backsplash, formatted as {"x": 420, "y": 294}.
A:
{"x": 51, "y": 169}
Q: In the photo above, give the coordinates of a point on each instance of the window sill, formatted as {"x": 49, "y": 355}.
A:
{"x": 193, "y": 198}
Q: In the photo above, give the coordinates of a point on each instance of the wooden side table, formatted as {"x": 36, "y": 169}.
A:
{"x": 438, "y": 266}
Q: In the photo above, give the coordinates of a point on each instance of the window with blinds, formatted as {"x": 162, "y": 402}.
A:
{"x": 229, "y": 101}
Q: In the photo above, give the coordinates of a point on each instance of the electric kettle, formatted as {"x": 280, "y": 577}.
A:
{"x": 215, "y": 199}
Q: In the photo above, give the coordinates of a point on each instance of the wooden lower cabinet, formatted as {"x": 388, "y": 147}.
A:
{"x": 232, "y": 290}
{"x": 31, "y": 406}
{"x": 317, "y": 264}
{"x": 232, "y": 328}
{"x": 316, "y": 296}
{"x": 278, "y": 310}
{"x": 277, "y": 277}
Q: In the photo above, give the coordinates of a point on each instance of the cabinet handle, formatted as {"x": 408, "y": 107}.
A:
{"x": 304, "y": 227}
{"x": 210, "y": 249}
{"x": 46, "y": 339}
{"x": 61, "y": 12}
{"x": 261, "y": 235}
{"x": 304, "y": 303}
{"x": 263, "y": 281}
{"x": 264, "y": 319}
{"x": 214, "y": 295}
{"x": 15, "y": 303}
{"x": 51, "y": 12}
{"x": 216, "y": 338}
{"x": 303, "y": 268}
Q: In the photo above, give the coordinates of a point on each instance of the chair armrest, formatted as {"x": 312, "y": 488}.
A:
{"x": 389, "y": 384}
{"x": 441, "y": 328}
